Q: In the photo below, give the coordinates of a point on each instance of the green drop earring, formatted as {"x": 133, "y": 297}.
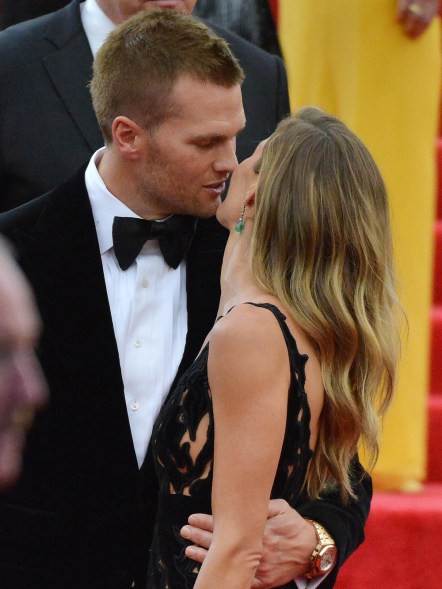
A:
{"x": 239, "y": 227}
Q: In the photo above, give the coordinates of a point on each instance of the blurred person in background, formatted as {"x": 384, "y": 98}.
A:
{"x": 250, "y": 19}
{"x": 22, "y": 386}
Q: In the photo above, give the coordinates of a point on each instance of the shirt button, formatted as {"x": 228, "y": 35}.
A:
{"x": 135, "y": 406}
{"x": 137, "y": 343}
{"x": 145, "y": 283}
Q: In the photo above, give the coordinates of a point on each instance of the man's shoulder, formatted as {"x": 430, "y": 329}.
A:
{"x": 22, "y": 216}
{"x": 65, "y": 198}
{"x": 25, "y": 35}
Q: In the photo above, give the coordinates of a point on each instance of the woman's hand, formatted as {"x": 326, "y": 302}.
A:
{"x": 416, "y": 15}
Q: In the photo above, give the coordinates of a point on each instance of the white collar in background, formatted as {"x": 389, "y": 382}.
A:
{"x": 96, "y": 24}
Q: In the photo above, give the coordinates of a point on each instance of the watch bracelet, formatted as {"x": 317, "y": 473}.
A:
{"x": 322, "y": 538}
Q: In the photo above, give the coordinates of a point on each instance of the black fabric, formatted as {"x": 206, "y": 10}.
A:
{"x": 15, "y": 11}
{"x": 250, "y": 19}
{"x": 186, "y": 482}
{"x": 174, "y": 235}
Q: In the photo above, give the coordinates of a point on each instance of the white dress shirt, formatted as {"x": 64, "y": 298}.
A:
{"x": 96, "y": 24}
{"x": 148, "y": 303}
{"x": 304, "y": 583}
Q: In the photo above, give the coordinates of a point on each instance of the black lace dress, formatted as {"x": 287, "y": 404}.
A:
{"x": 186, "y": 483}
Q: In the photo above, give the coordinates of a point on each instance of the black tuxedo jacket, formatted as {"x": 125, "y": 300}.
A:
{"x": 48, "y": 127}
{"x": 81, "y": 515}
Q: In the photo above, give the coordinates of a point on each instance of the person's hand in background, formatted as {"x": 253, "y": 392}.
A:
{"x": 416, "y": 15}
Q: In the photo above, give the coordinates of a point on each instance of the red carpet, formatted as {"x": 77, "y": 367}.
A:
{"x": 403, "y": 548}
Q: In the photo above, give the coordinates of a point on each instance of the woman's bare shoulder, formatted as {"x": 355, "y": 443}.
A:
{"x": 248, "y": 338}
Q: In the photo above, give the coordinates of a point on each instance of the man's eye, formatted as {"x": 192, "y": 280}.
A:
{"x": 207, "y": 143}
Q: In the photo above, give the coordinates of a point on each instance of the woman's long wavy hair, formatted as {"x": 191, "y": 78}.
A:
{"x": 322, "y": 245}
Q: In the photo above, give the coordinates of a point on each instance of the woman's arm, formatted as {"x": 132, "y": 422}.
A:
{"x": 249, "y": 377}
{"x": 288, "y": 540}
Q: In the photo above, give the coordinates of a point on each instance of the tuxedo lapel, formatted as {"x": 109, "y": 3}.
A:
{"x": 70, "y": 69}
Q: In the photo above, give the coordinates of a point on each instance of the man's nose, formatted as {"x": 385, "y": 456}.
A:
{"x": 226, "y": 161}
{"x": 30, "y": 382}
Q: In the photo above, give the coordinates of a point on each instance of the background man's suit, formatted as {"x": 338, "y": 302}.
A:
{"x": 82, "y": 511}
{"x": 48, "y": 127}
{"x": 15, "y": 11}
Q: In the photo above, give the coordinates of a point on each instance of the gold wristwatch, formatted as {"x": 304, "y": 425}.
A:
{"x": 323, "y": 557}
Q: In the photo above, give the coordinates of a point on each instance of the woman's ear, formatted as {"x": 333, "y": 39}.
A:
{"x": 250, "y": 201}
{"x": 250, "y": 196}
{"x": 127, "y": 136}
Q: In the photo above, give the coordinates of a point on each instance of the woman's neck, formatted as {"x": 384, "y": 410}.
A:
{"x": 237, "y": 282}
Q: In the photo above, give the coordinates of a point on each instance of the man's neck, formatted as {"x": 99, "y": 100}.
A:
{"x": 120, "y": 179}
{"x": 110, "y": 11}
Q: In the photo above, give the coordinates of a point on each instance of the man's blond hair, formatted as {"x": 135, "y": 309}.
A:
{"x": 137, "y": 66}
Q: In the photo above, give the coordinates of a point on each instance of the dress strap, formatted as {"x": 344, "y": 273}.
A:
{"x": 281, "y": 318}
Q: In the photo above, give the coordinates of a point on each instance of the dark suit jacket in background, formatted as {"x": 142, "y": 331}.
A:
{"x": 48, "y": 127}
{"x": 250, "y": 19}
{"x": 15, "y": 11}
{"x": 256, "y": 23}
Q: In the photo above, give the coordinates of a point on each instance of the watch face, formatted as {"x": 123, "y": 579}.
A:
{"x": 327, "y": 558}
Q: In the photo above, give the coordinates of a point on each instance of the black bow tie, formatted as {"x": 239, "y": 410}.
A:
{"x": 174, "y": 234}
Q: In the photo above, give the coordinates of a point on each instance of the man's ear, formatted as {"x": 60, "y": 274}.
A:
{"x": 127, "y": 136}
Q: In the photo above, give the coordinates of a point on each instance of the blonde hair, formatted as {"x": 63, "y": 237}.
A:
{"x": 137, "y": 66}
{"x": 322, "y": 244}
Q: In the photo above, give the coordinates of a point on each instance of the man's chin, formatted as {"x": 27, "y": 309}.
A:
{"x": 207, "y": 215}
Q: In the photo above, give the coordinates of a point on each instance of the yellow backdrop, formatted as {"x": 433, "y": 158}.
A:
{"x": 351, "y": 58}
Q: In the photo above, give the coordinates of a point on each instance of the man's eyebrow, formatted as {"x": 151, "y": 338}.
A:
{"x": 205, "y": 137}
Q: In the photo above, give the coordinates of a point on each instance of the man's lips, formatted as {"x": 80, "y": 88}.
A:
{"x": 216, "y": 187}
